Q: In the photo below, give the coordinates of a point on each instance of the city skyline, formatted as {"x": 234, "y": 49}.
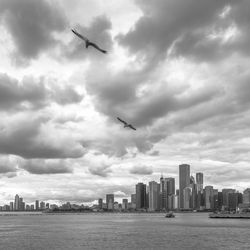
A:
{"x": 158, "y": 192}
{"x": 178, "y": 71}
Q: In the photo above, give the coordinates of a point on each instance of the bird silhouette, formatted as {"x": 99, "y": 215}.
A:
{"x": 126, "y": 125}
{"x": 87, "y": 42}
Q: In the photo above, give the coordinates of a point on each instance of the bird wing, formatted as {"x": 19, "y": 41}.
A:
{"x": 81, "y": 36}
{"x": 132, "y": 127}
{"x": 97, "y": 47}
{"x": 121, "y": 120}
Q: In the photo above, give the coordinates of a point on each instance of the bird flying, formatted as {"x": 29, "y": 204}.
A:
{"x": 126, "y": 125}
{"x": 87, "y": 42}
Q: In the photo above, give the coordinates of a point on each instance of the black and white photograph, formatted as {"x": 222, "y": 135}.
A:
{"x": 124, "y": 124}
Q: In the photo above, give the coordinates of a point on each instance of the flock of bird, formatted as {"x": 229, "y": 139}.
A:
{"x": 89, "y": 43}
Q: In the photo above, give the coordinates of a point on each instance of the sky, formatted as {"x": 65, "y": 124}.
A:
{"x": 178, "y": 70}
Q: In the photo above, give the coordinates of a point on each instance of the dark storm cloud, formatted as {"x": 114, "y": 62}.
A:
{"x": 186, "y": 24}
{"x": 97, "y": 32}
{"x": 31, "y": 24}
{"x": 46, "y": 167}
{"x": 141, "y": 170}
{"x": 32, "y": 138}
{"x": 7, "y": 168}
{"x": 102, "y": 170}
{"x": 33, "y": 94}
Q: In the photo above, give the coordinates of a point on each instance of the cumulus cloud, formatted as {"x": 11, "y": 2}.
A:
{"x": 36, "y": 138}
{"x": 41, "y": 166}
{"x": 141, "y": 170}
{"x": 31, "y": 25}
{"x": 102, "y": 170}
{"x": 31, "y": 93}
{"x": 204, "y": 30}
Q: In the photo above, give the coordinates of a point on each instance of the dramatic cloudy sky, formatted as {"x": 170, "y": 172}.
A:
{"x": 178, "y": 70}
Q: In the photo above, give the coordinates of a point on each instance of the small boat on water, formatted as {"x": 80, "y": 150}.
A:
{"x": 170, "y": 215}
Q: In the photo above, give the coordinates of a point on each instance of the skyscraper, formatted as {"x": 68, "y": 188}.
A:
{"x": 154, "y": 191}
{"x": 184, "y": 181}
{"x": 16, "y": 202}
{"x": 110, "y": 201}
{"x": 100, "y": 201}
{"x": 209, "y": 197}
{"x": 37, "y": 204}
{"x": 199, "y": 186}
{"x": 140, "y": 196}
{"x": 199, "y": 181}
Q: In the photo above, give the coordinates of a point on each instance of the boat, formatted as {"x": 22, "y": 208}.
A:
{"x": 170, "y": 215}
{"x": 230, "y": 216}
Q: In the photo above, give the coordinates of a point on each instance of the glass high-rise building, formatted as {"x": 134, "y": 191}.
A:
{"x": 184, "y": 181}
{"x": 110, "y": 199}
{"x": 199, "y": 181}
{"x": 16, "y": 202}
{"x": 154, "y": 195}
{"x": 140, "y": 195}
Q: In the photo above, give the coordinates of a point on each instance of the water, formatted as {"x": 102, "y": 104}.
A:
{"x": 122, "y": 231}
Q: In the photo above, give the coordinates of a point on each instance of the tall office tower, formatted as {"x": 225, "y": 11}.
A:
{"x": 16, "y": 202}
{"x": 246, "y": 196}
{"x": 21, "y": 204}
{"x": 216, "y": 199}
{"x": 42, "y": 205}
{"x": 199, "y": 181}
{"x": 170, "y": 185}
{"x": 184, "y": 181}
{"x": 11, "y": 206}
{"x": 100, "y": 202}
{"x": 140, "y": 196}
{"x": 225, "y": 194}
{"x": 27, "y": 208}
{"x": 32, "y": 207}
{"x": 220, "y": 200}
{"x": 124, "y": 204}
{"x": 47, "y": 205}
{"x": 110, "y": 199}
{"x": 154, "y": 192}
{"x": 194, "y": 193}
{"x": 133, "y": 198}
{"x": 233, "y": 201}
{"x": 162, "y": 195}
{"x": 170, "y": 193}
{"x": 37, "y": 204}
{"x": 187, "y": 197}
{"x": 209, "y": 197}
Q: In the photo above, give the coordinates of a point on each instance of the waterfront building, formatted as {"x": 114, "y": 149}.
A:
{"x": 246, "y": 196}
{"x": 11, "y": 206}
{"x": 215, "y": 199}
{"x": 209, "y": 199}
{"x": 163, "y": 193}
{"x": 140, "y": 196}
{"x": 194, "y": 193}
{"x": 32, "y": 207}
{"x": 187, "y": 197}
{"x": 124, "y": 204}
{"x": 27, "y": 208}
{"x": 47, "y": 205}
{"x": 199, "y": 186}
{"x": 42, "y": 205}
{"x": 184, "y": 181}
{"x": 154, "y": 192}
{"x": 110, "y": 201}
{"x": 225, "y": 194}
{"x": 100, "y": 202}
{"x": 16, "y": 202}
{"x": 37, "y": 204}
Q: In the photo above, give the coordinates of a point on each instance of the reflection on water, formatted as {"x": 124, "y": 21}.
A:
{"x": 122, "y": 231}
